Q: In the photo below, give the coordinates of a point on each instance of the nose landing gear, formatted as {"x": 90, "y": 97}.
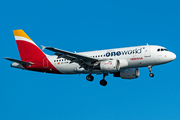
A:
{"x": 151, "y": 75}
{"x": 150, "y": 70}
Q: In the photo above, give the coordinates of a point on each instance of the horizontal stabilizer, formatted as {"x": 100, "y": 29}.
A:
{"x": 19, "y": 61}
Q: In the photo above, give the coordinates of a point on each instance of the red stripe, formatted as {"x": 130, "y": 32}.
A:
{"x": 28, "y": 50}
{"x": 40, "y": 67}
{"x": 31, "y": 53}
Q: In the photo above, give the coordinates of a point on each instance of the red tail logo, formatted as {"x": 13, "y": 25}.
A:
{"x": 27, "y": 48}
{"x": 30, "y": 52}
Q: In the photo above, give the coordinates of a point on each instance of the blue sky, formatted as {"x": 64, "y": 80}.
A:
{"x": 85, "y": 26}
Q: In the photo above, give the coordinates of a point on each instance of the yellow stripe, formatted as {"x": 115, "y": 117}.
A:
{"x": 21, "y": 33}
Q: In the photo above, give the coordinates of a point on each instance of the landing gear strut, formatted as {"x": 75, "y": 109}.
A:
{"x": 89, "y": 77}
{"x": 150, "y": 70}
{"x": 103, "y": 82}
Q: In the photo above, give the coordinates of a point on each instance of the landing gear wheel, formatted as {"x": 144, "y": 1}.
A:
{"x": 150, "y": 70}
{"x": 103, "y": 82}
{"x": 151, "y": 75}
{"x": 89, "y": 77}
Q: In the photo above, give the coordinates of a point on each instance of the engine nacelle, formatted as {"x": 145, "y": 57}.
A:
{"x": 130, "y": 73}
{"x": 110, "y": 66}
{"x": 123, "y": 63}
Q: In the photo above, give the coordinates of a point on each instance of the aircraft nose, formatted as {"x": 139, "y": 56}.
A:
{"x": 173, "y": 56}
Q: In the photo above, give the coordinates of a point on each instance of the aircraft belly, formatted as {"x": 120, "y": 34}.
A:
{"x": 67, "y": 68}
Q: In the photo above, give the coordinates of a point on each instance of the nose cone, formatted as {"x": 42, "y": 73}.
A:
{"x": 172, "y": 56}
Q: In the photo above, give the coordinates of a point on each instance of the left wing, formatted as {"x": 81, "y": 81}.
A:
{"x": 19, "y": 61}
{"x": 70, "y": 56}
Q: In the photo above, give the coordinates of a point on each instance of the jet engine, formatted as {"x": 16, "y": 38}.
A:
{"x": 110, "y": 65}
{"x": 130, "y": 73}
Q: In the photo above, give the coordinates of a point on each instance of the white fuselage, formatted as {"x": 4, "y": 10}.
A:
{"x": 139, "y": 56}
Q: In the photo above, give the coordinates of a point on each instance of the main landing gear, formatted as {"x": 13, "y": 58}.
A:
{"x": 150, "y": 70}
{"x": 89, "y": 77}
{"x": 103, "y": 82}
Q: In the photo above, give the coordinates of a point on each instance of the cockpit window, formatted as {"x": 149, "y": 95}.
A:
{"x": 162, "y": 49}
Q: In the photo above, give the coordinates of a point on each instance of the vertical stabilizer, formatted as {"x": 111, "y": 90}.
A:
{"x": 27, "y": 48}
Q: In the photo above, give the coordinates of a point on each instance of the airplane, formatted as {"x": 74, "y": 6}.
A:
{"x": 121, "y": 62}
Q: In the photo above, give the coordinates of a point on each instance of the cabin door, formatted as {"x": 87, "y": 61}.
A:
{"x": 147, "y": 51}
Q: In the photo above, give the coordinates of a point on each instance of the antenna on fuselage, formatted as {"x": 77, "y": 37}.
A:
{"x": 147, "y": 44}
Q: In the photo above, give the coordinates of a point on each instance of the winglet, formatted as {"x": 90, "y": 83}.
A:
{"x": 43, "y": 47}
